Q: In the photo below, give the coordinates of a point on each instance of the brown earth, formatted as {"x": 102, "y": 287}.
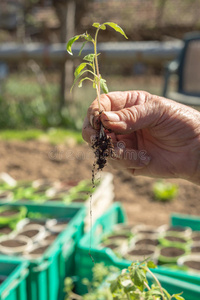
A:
{"x": 34, "y": 159}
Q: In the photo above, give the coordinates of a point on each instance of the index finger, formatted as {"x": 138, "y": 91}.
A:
{"x": 115, "y": 101}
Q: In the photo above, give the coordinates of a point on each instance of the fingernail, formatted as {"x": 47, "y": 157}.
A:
{"x": 92, "y": 120}
{"x": 112, "y": 117}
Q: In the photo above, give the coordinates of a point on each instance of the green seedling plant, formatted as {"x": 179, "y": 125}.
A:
{"x": 89, "y": 70}
{"x": 164, "y": 191}
{"x": 130, "y": 284}
{"x": 90, "y": 64}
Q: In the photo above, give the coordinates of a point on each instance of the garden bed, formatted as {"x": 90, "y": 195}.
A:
{"x": 33, "y": 159}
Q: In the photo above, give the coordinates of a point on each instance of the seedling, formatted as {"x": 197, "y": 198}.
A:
{"x": 164, "y": 191}
{"x": 131, "y": 283}
{"x": 102, "y": 145}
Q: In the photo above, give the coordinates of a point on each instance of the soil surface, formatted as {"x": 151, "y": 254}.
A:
{"x": 140, "y": 252}
{"x": 171, "y": 252}
{"x": 12, "y": 243}
{"x": 147, "y": 242}
{"x": 39, "y": 250}
{"x": 32, "y": 160}
{"x": 5, "y": 230}
{"x": 193, "y": 264}
{"x": 8, "y": 213}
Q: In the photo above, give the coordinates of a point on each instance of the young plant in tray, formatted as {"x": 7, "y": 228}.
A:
{"x": 89, "y": 70}
{"x": 130, "y": 284}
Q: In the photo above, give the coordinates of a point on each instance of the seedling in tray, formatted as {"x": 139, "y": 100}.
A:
{"x": 102, "y": 145}
{"x": 131, "y": 284}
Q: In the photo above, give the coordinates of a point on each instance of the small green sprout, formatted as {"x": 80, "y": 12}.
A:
{"x": 90, "y": 64}
{"x": 164, "y": 191}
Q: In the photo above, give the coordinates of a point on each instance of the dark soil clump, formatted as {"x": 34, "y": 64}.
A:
{"x": 103, "y": 148}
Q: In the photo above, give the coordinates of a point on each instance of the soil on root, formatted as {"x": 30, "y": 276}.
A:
{"x": 103, "y": 148}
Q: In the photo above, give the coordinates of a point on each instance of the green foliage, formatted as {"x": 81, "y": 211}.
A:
{"x": 130, "y": 284}
{"x": 91, "y": 64}
{"x": 25, "y": 104}
{"x": 164, "y": 191}
{"x": 52, "y": 135}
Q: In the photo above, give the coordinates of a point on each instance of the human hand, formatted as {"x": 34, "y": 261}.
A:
{"x": 153, "y": 136}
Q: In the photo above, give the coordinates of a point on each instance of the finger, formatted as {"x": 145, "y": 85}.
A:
{"x": 115, "y": 101}
{"x": 133, "y": 118}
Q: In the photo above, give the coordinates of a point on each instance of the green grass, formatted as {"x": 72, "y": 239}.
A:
{"x": 53, "y": 135}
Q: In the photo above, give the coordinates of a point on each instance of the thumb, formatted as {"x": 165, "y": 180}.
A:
{"x": 131, "y": 119}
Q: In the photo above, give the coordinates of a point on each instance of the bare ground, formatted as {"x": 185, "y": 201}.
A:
{"x": 34, "y": 159}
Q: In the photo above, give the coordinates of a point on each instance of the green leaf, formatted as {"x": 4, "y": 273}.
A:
{"x": 103, "y": 85}
{"x": 113, "y": 286}
{"x": 138, "y": 278}
{"x": 88, "y": 37}
{"x": 178, "y": 296}
{"x": 103, "y": 27}
{"x": 151, "y": 265}
{"x": 89, "y": 57}
{"x": 80, "y": 82}
{"x": 83, "y": 45}
{"x": 79, "y": 69}
{"x": 116, "y": 28}
{"x": 96, "y": 25}
{"x": 70, "y": 43}
{"x": 77, "y": 77}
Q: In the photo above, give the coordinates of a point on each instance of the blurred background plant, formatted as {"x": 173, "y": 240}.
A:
{"x": 164, "y": 191}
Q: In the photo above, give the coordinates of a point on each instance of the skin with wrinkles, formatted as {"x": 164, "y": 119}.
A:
{"x": 153, "y": 136}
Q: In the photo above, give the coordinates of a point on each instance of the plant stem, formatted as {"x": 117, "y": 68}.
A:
{"x": 148, "y": 288}
{"x": 97, "y": 69}
{"x": 157, "y": 281}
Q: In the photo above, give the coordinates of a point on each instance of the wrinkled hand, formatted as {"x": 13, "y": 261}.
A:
{"x": 153, "y": 136}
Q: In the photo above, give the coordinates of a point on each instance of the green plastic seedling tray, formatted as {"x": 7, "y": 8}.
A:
{"x": 47, "y": 274}
{"x": 14, "y": 274}
{"x": 186, "y": 221}
{"x": 87, "y": 248}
